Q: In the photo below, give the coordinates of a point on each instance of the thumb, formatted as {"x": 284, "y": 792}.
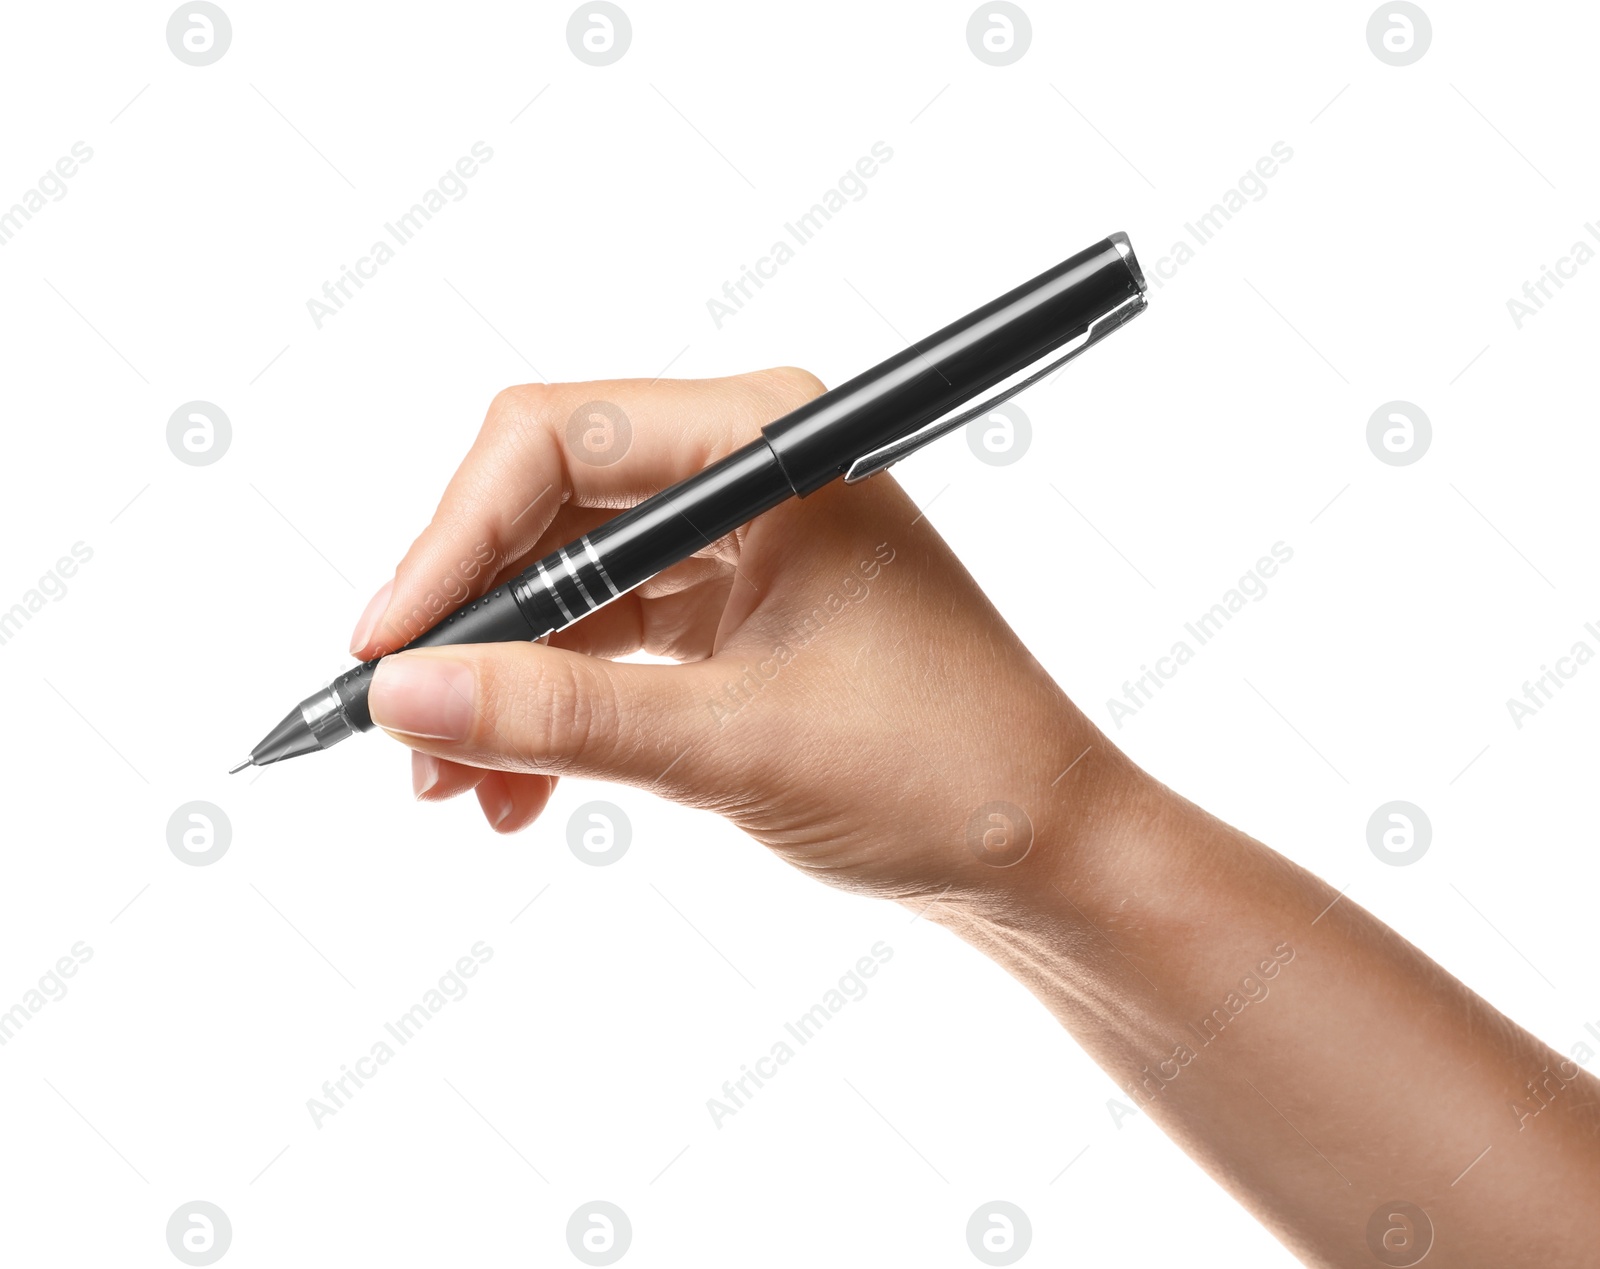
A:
{"x": 532, "y": 708}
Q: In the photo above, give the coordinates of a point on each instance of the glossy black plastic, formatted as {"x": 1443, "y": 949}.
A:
{"x": 819, "y": 441}
{"x": 495, "y": 618}
{"x": 633, "y": 547}
{"x": 691, "y": 515}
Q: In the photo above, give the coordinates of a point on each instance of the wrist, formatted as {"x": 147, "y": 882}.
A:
{"x": 1136, "y": 899}
{"x": 1082, "y": 836}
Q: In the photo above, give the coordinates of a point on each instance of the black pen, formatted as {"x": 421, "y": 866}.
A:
{"x": 854, "y": 431}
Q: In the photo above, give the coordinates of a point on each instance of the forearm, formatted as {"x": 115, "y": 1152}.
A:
{"x": 1311, "y": 1059}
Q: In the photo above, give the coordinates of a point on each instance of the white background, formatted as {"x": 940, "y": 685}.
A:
{"x": 1232, "y": 416}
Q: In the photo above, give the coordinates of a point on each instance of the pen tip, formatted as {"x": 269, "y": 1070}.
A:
{"x": 240, "y": 767}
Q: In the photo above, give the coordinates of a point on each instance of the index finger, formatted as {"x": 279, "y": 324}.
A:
{"x": 605, "y": 444}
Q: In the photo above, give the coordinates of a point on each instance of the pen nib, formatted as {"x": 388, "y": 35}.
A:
{"x": 247, "y": 762}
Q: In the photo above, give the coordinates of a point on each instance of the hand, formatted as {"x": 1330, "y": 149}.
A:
{"x": 847, "y": 696}
{"x": 844, "y": 692}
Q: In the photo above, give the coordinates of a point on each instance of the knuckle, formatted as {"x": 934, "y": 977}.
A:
{"x": 794, "y": 386}
{"x": 523, "y": 421}
{"x": 519, "y": 405}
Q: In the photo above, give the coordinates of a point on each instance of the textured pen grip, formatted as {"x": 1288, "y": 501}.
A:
{"x": 496, "y": 618}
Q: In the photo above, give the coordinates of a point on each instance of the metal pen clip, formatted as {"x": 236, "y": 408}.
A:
{"x": 871, "y": 464}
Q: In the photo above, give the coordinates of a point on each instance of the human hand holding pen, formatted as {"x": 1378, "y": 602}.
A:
{"x": 865, "y": 425}
{"x": 847, "y": 695}
{"x": 809, "y": 642}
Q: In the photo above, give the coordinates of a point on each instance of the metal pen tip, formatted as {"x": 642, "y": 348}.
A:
{"x": 246, "y": 763}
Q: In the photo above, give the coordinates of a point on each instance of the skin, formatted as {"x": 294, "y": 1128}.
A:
{"x": 847, "y": 695}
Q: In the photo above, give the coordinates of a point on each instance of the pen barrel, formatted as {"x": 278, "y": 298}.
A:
{"x": 863, "y": 424}
{"x": 953, "y": 365}
{"x": 570, "y": 583}
{"x": 496, "y": 617}
{"x": 606, "y": 564}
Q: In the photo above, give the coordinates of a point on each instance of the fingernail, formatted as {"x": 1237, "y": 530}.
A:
{"x": 424, "y": 772}
{"x": 370, "y": 616}
{"x": 496, "y": 802}
{"x": 422, "y": 695}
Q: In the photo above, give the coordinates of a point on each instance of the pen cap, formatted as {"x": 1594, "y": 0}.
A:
{"x": 950, "y": 367}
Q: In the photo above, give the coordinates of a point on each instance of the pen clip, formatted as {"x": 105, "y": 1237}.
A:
{"x": 870, "y": 464}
